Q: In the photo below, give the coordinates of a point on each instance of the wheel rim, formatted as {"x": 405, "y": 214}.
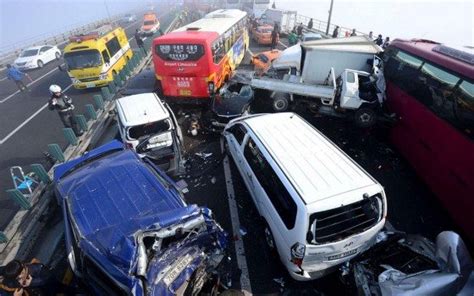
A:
{"x": 40, "y": 64}
{"x": 365, "y": 117}
{"x": 279, "y": 105}
{"x": 58, "y": 55}
{"x": 269, "y": 238}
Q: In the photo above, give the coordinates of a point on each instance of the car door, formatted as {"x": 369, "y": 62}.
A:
{"x": 236, "y": 136}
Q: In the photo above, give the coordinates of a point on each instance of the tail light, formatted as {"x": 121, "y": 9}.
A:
{"x": 128, "y": 146}
{"x": 297, "y": 254}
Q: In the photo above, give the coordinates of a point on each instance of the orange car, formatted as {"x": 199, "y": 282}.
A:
{"x": 150, "y": 24}
{"x": 263, "y": 34}
{"x": 262, "y": 61}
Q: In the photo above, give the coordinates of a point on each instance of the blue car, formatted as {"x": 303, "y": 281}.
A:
{"x": 128, "y": 229}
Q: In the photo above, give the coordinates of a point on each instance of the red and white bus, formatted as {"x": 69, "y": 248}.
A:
{"x": 430, "y": 86}
{"x": 195, "y": 60}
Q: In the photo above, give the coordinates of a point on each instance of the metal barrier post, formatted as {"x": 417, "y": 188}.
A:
{"x": 90, "y": 112}
{"x": 19, "y": 198}
{"x": 105, "y": 93}
{"x": 81, "y": 120}
{"x": 98, "y": 102}
{"x": 56, "y": 152}
{"x": 70, "y": 136}
{"x": 39, "y": 170}
{"x": 112, "y": 87}
{"x": 3, "y": 237}
{"x": 122, "y": 76}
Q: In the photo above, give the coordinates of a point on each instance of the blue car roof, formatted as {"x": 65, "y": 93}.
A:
{"x": 109, "y": 199}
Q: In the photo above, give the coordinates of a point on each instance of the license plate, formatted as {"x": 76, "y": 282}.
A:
{"x": 183, "y": 83}
{"x": 342, "y": 255}
{"x": 90, "y": 84}
{"x": 177, "y": 269}
{"x": 184, "y": 92}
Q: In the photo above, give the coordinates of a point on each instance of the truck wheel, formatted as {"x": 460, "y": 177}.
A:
{"x": 280, "y": 103}
{"x": 365, "y": 117}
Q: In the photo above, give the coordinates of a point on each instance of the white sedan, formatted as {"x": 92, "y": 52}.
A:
{"x": 37, "y": 56}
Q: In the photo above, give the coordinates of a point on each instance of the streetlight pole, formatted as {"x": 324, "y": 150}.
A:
{"x": 329, "y": 18}
{"x": 107, "y": 9}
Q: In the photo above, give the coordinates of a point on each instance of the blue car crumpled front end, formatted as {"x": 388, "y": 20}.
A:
{"x": 189, "y": 259}
{"x": 126, "y": 218}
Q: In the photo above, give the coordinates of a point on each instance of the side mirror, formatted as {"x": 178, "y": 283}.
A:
{"x": 62, "y": 68}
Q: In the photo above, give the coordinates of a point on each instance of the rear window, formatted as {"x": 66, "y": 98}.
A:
{"x": 148, "y": 23}
{"x": 151, "y": 128}
{"x": 179, "y": 52}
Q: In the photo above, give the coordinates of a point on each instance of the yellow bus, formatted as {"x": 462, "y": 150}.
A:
{"x": 93, "y": 59}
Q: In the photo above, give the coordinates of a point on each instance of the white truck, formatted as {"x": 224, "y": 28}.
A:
{"x": 353, "y": 87}
{"x": 286, "y": 19}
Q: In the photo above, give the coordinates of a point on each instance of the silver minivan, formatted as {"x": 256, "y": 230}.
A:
{"x": 319, "y": 206}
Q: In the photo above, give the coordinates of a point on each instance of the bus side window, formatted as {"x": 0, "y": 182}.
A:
{"x": 464, "y": 107}
{"x": 105, "y": 56}
{"x": 435, "y": 90}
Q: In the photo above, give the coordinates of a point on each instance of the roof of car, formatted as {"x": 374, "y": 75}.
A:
{"x": 349, "y": 44}
{"x": 141, "y": 109}
{"x": 315, "y": 166}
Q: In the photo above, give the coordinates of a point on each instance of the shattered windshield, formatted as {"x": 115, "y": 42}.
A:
{"x": 139, "y": 131}
{"x": 83, "y": 59}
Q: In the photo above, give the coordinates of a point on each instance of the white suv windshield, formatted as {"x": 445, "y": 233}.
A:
{"x": 152, "y": 128}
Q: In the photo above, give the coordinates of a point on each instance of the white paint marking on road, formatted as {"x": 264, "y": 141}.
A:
{"x": 29, "y": 84}
{"x": 27, "y": 120}
{"x": 234, "y": 216}
{"x": 4, "y": 78}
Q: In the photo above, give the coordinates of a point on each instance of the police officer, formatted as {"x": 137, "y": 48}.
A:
{"x": 63, "y": 105}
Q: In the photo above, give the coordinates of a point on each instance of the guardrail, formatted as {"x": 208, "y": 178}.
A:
{"x": 18, "y": 238}
{"x": 321, "y": 26}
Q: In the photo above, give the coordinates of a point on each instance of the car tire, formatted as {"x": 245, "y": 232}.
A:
{"x": 40, "y": 64}
{"x": 280, "y": 102}
{"x": 57, "y": 55}
{"x": 365, "y": 117}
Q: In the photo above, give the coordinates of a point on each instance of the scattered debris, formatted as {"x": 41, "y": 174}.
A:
{"x": 242, "y": 231}
{"x": 213, "y": 180}
{"x": 279, "y": 281}
{"x": 203, "y": 155}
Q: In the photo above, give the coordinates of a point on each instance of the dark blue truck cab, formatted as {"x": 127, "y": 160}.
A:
{"x": 128, "y": 229}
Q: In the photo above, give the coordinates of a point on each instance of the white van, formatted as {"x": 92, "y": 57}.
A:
{"x": 147, "y": 125}
{"x": 320, "y": 207}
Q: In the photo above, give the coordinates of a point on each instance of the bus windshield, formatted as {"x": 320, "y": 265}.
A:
{"x": 83, "y": 59}
{"x": 179, "y": 52}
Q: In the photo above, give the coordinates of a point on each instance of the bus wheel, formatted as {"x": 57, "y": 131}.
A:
{"x": 365, "y": 117}
{"x": 280, "y": 102}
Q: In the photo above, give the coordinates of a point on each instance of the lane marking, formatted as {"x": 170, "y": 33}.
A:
{"x": 4, "y": 78}
{"x": 234, "y": 216}
{"x": 28, "y": 120}
{"x": 29, "y": 84}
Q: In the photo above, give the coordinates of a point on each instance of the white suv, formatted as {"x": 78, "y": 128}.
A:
{"x": 147, "y": 125}
{"x": 320, "y": 207}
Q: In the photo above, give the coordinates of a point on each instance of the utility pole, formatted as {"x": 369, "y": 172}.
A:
{"x": 329, "y": 18}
